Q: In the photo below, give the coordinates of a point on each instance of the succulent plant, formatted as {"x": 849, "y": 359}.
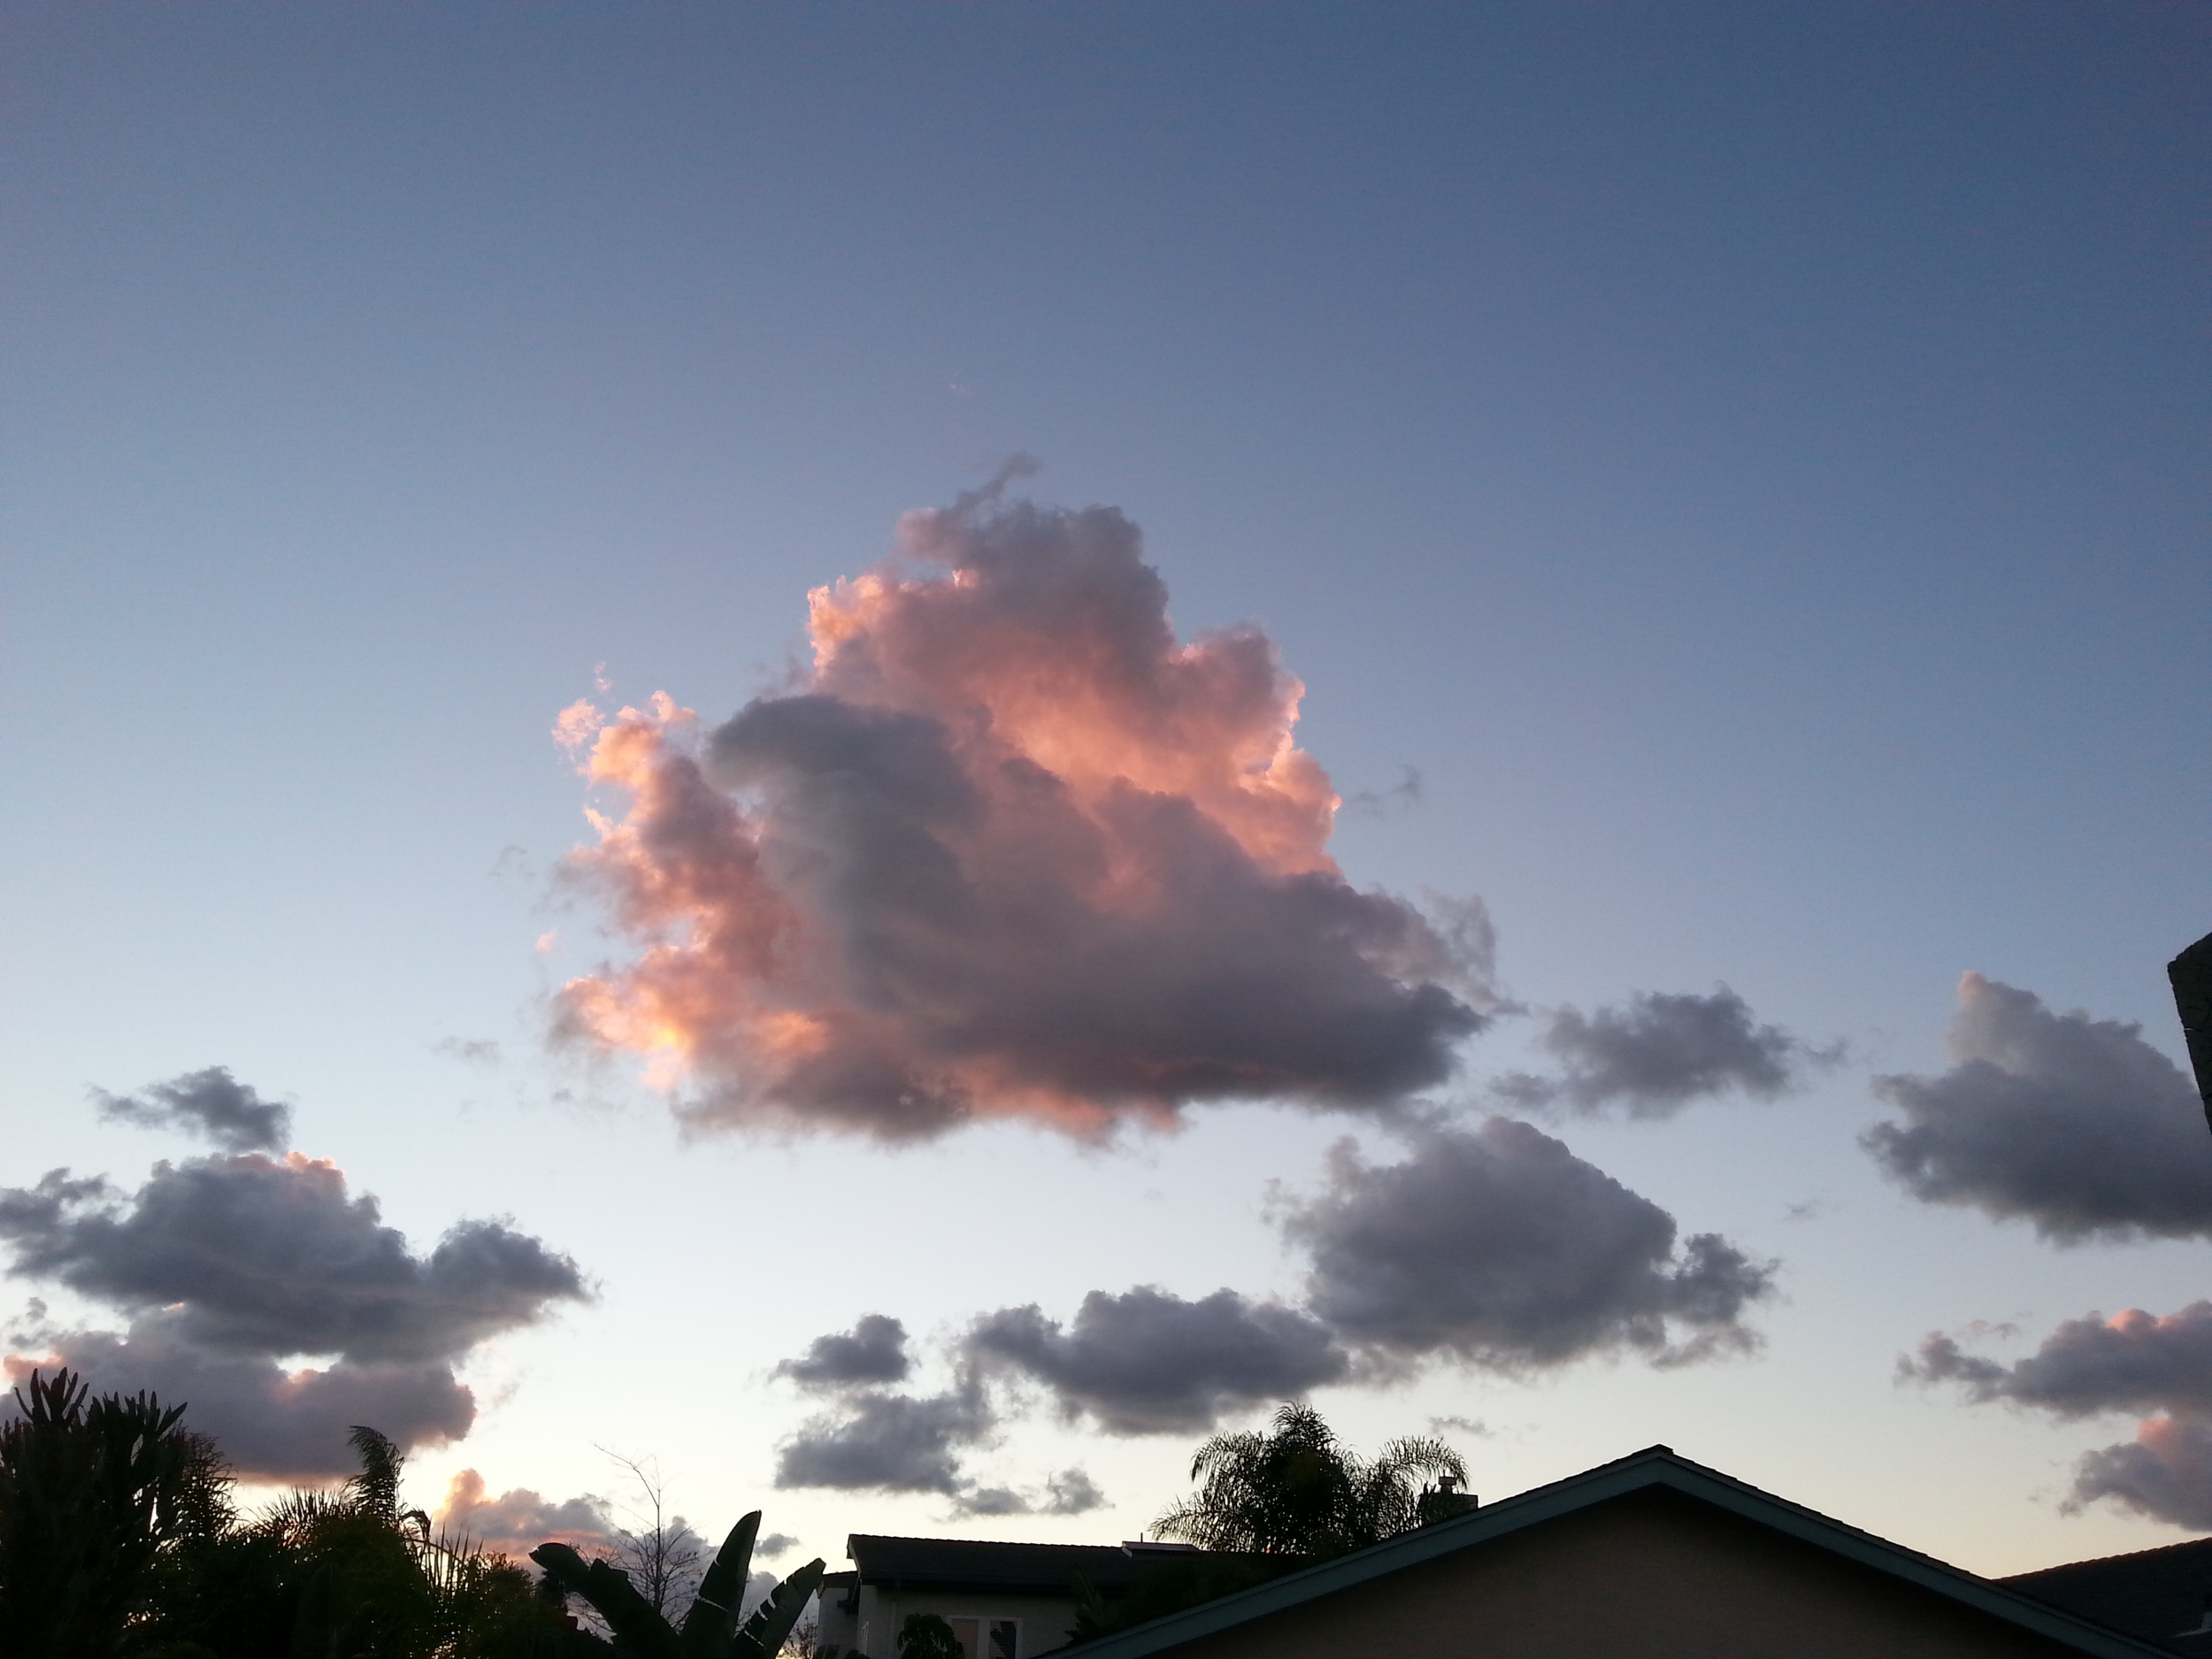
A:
{"x": 711, "y": 1629}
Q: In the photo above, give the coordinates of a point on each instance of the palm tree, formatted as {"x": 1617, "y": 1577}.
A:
{"x": 1297, "y": 1490}
{"x": 349, "y": 1571}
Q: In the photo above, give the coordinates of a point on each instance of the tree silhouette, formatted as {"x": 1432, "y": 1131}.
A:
{"x": 661, "y": 1553}
{"x": 89, "y": 1491}
{"x": 343, "y": 1574}
{"x": 927, "y": 1636}
{"x": 1297, "y": 1490}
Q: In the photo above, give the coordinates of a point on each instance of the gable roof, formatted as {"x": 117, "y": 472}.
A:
{"x": 2159, "y": 1594}
{"x": 1654, "y": 1467}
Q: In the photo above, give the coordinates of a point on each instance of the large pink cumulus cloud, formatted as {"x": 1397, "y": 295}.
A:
{"x": 1012, "y": 849}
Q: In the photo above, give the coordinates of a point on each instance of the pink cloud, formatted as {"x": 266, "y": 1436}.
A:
{"x": 1013, "y": 848}
{"x": 518, "y": 1520}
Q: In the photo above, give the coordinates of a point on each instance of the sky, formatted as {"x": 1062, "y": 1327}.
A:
{"x": 890, "y": 754}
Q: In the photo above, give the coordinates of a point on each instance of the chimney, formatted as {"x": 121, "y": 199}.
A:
{"x": 2190, "y": 974}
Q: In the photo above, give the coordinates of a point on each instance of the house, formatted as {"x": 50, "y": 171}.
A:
{"x": 1649, "y": 1557}
{"x": 1653, "y": 1556}
{"x": 1003, "y": 1601}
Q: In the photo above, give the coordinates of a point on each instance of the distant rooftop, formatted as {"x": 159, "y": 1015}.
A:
{"x": 1045, "y": 1568}
{"x": 2161, "y": 1596}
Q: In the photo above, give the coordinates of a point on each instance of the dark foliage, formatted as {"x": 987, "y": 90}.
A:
{"x": 119, "y": 1541}
{"x": 90, "y": 1490}
{"x": 712, "y": 1628}
{"x": 1297, "y": 1491}
{"x": 1171, "y": 1586}
{"x": 926, "y": 1636}
{"x": 1272, "y": 1503}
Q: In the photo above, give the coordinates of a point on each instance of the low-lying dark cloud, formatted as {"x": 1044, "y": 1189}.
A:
{"x": 890, "y": 1442}
{"x": 1474, "y": 1426}
{"x": 1013, "y": 849}
{"x": 1494, "y": 1247}
{"x": 1071, "y": 1492}
{"x": 2074, "y": 1124}
{"x": 873, "y": 1351}
{"x": 1499, "y": 1247}
{"x": 209, "y": 1103}
{"x": 2157, "y": 1369}
{"x": 1148, "y": 1362}
{"x": 227, "y": 1267}
{"x": 875, "y": 1438}
{"x": 272, "y": 1424}
{"x": 271, "y": 1255}
{"x": 1659, "y": 1054}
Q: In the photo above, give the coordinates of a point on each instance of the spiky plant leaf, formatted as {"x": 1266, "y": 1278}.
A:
{"x": 637, "y": 1625}
{"x": 773, "y": 1619}
{"x": 713, "y": 1615}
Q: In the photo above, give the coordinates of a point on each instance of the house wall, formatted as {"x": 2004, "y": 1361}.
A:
{"x": 834, "y": 1626}
{"x": 1044, "y": 1619}
{"x": 1654, "y": 1576}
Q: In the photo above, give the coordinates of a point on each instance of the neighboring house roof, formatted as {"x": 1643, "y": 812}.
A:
{"x": 2161, "y": 1596}
{"x": 1655, "y": 1467}
{"x": 968, "y": 1564}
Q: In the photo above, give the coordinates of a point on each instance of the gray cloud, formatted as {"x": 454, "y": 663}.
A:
{"x": 271, "y": 1257}
{"x": 227, "y": 1267}
{"x": 1661, "y": 1052}
{"x": 1148, "y": 1362}
{"x": 873, "y": 1351}
{"x": 992, "y": 1501}
{"x": 473, "y": 1050}
{"x": 878, "y": 1440}
{"x": 1013, "y": 849}
{"x": 775, "y": 1544}
{"x": 2072, "y": 1124}
{"x": 2135, "y": 1362}
{"x": 889, "y": 1442}
{"x": 209, "y": 1103}
{"x": 271, "y": 1424}
{"x": 1071, "y": 1492}
{"x": 1496, "y": 1246}
{"x": 1408, "y": 792}
{"x": 2165, "y": 1473}
{"x": 1474, "y": 1426}
{"x": 1501, "y": 1247}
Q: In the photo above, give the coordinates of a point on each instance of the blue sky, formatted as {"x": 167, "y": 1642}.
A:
{"x": 1749, "y": 460}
